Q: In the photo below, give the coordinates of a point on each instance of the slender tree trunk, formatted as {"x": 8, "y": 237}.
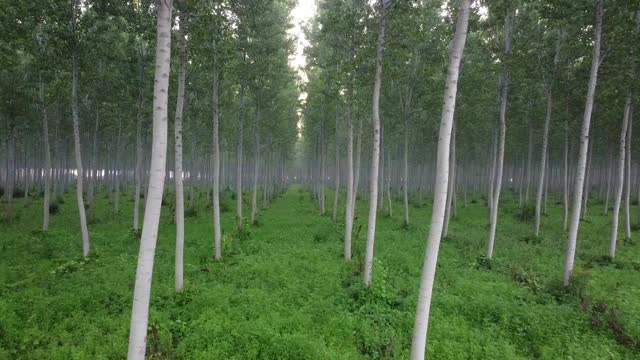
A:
{"x": 239, "y": 162}
{"x": 389, "y": 204}
{"x": 356, "y": 180}
{"x": 620, "y": 177}
{"x": 529, "y": 157}
{"x": 142, "y": 289}
{"x": 587, "y": 181}
{"x": 76, "y": 135}
{"x": 93, "y": 169}
{"x": 350, "y": 201}
{"x": 584, "y": 144}
{"x": 47, "y": 157}
{"x": 450, "y": 185}
{"x": 375, "y": 152}
{"x": 178, "y": 177}
{"x": 216, "y": 161}
{"x": 139, "y": 169}
{"x": 405, "y": 171}
{"x": 543, "y": 157}
{"x": 493, "y": 218}
{"x": 419, "y": 339}
{"x": 609, "y": 174}
{"x": 336, "y": 195}
{"x": 256, "y": 162}
{"x": 627, "y": 179}
{"x": 117, "y": 171}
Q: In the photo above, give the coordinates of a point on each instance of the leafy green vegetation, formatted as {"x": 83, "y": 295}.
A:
{"x": 283, "y": 291}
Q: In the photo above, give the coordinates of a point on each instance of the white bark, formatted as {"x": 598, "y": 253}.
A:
{"x": 419, "y": 339}
{"x": 76, "y": 136}
{"x": 179, "y": 182}
{"x": 139, "y": 174}
{"x": 144, "y": 271}
{"x": 375, "y": 152}
{"x": 584, "y": 144}
{"x": 350, "y": 201}
{"x": 619, "y": 177}
{"x": 627, "y": 180}
{"x": 336, "y": 194}
{"x": 543, "y": 159}
{"x": 217, "y": 230}
{"x": 47, "y": 158}
{"x": 493, "y": 216}
{"x": 256, "y": 167}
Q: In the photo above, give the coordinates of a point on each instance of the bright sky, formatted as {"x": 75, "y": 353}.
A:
{"x": 303, "y": 12}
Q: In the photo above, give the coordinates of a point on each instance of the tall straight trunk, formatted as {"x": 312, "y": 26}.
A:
{"x": 627, "y": 180}
{"x": 76, "y": 134}
{"x": 529, "y": 157}
{"x": 256, "y": 168}
{"x": 493, "y": 217}
{"x": 139, "y": 168}
{"x": 350, "y": 201}
{"x": 47, "y": 157}
{"x": 144, "y": 271}
{"x": 584, "y": 144}
{"x": 543, "y": 158}
{"x": 179, "y": 182}
{"x": 356, "y": 179}
{"x": 419, "y": 339}
{"x": 217, "y": 231}
{"x": 609, "y": 175}
{"x": 451, "y": 182}
{"x": 494, "y": 158}
{"x": 321, "y": 148}
{"x": 93, "y": 170}
{"x": 565, "y": 173}
{"x": 389, "y": 183}
{"x": 405, "y": 171}
{"x": 336, "y": 195}
{"x": 624, "y": 162}
{"x": 239, "y": 162}
{"x": 381, "y": 169}
{"x": 619, "y": 177}
{"x": 118, "y": 171}
{"x": 587, "y": 181}
{"x": 375, "y": 148}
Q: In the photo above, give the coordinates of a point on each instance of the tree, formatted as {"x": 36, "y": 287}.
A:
{"x": 419, "y": 339}
{"x": 144, "y": 270}
{"x": 584, "y": 144}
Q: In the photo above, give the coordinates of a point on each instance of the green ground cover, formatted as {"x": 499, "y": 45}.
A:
{"x": 283, "y": 290}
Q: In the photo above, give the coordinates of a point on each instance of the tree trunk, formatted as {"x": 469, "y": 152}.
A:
{"x": 179, "y": 205}
{"x": 239, "y": 162}
{"x": 543, "y": 157}
{"x": 451, "y": 181}
{"x": 620, "y": 177}
{"x": 405, "y": 171}
{"x": 419, "y": 339}
{"x": 493, "y": 218}
{"x": 350, "y": 201}
{"x": 627, "y": 177}
{"x": 256, "y": 162}
{"x": 609, "y": 174}
{"x": 375, "y": 152}
{"x": 217, "y": 241}
{"x": 47, "y": 157}
{"x": 76, "y": 135}
{"x": 144, "y": 271}
{"x": 336, "y": 195}
{"x": 139, "y": 170}
{"x": 587, "y": 181}
{"x": 584, "y": 144}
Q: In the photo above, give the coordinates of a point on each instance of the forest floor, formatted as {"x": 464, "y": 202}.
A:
{"x": 283, "y": 290}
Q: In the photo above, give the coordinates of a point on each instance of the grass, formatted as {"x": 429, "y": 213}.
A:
{"x": 283, "y": 290}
